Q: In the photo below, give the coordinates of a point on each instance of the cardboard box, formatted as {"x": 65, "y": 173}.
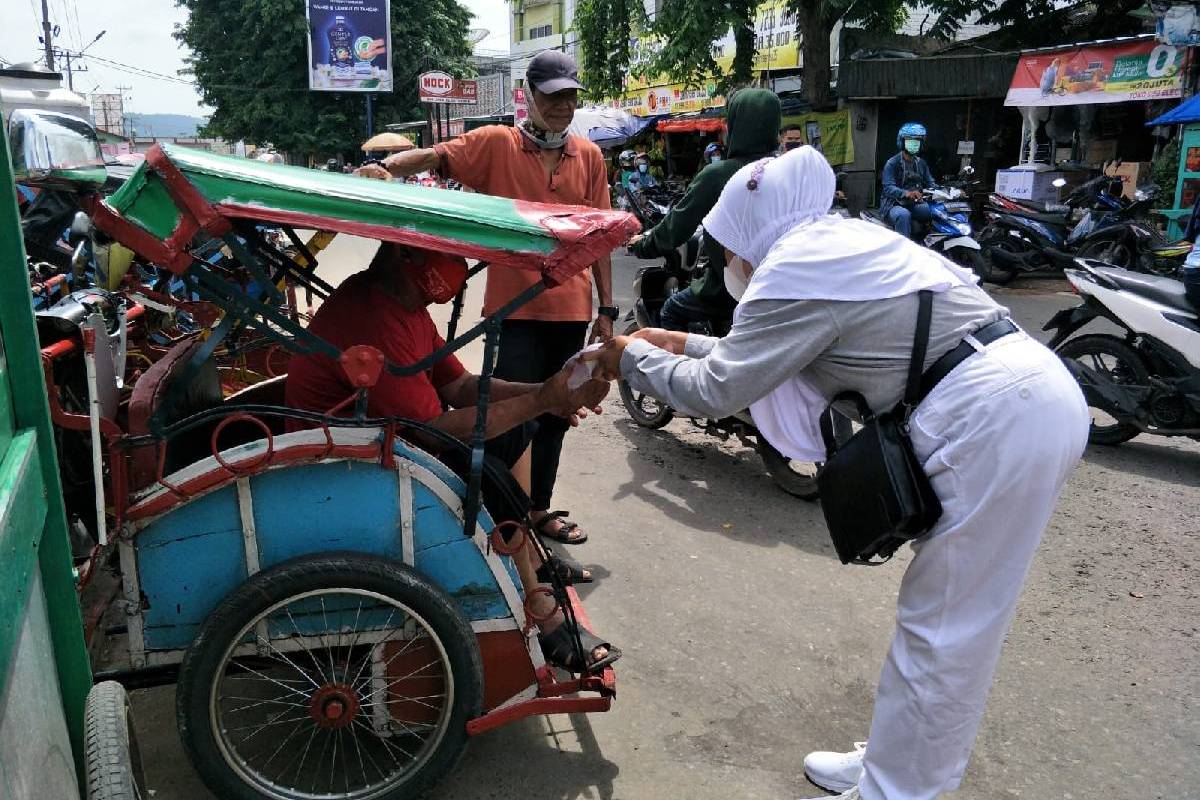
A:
{"x": 1132, "y": 174}
{"x": 1100, "y": 151}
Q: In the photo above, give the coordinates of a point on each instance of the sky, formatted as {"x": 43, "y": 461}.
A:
{"x": 137, "y": 50}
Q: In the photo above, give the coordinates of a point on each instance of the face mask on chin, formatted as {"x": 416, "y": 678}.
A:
{"x": 535, "y": 129}
{"x": 643, "y": 168}
{"x": 736, "y": 279}
{"x": 913, "y": 146}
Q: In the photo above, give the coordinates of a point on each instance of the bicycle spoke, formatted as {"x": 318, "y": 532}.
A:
{"x": 388, "y": 745}
{"x": 269, "y": 678}
{"x": 409, "y": 676}
{"x": 288, "y": 661}
{"x": 354, "y": 641}
{"x": 300, "y": 639}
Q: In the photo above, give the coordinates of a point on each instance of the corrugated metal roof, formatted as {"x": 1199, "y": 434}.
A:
{"x": 974, "y": 75}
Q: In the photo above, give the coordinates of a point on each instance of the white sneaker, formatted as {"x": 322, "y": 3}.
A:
{"x": 852, "y": 794}
{"x": 837, "y": 772}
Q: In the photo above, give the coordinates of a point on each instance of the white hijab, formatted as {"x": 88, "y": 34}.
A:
{"x": 774, "y": 213}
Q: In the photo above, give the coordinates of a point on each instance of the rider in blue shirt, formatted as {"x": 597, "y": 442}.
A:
{"x": 905, "y": 175}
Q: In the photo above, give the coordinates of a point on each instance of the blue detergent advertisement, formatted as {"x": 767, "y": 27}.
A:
{"x": 349, "y": 46}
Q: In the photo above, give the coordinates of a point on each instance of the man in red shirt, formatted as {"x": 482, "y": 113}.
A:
{"x": 385, "y": 307}
{"x": 539, "y": 162}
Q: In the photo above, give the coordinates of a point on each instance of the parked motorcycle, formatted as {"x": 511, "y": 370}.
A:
{"x": 1095, "y": 221}
{"x": 651, "y": 288}
{"x": 1145, "y": 379}
{"x": 949, "y": 231}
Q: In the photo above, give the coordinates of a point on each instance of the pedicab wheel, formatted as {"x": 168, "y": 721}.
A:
{"x": 114, "y": 763}
{"x": 797, "y": 478}
{"x": 1121, "y": 364}
{"x": 341, "y": 676}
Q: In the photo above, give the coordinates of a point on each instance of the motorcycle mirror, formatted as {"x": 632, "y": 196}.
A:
{"x": 1058, "y": 183}
{"x": 967, "y": 171}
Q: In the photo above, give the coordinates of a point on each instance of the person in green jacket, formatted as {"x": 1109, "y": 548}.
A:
{"x": 753, "y": 120}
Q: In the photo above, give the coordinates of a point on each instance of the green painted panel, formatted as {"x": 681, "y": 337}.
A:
{"x": 6, "y": 410}
{"x": 22, "y": 514}
{"x": 478, "y": 219}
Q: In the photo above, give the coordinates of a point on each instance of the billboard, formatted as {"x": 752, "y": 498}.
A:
{"x": 438, "y": 87}
{"x": 349, "y": 45}
{"x": 1143, "y": 69}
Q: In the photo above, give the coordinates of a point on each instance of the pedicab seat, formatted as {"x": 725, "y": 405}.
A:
{"x": 151, "y": 392}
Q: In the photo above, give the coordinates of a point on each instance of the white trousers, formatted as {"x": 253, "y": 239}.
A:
{"x": 999, "y": 437}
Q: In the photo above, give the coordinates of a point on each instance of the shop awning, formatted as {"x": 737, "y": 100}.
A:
{"x": 1187, "y": 111}
{"x": 691, "y": 125}
{"x": 1112, "y": 71}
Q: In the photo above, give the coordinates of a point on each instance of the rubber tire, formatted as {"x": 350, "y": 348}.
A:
{"x": 308, "y": 573}
{"x": 972, "y": 259}
{"x": 1097, "y": 248}
{"x": 652, "y": 421}
{"x": 114, "y": 763}
{"x": 1111, "y": 435}
{"x": 780, "y": 470}
{"x": 1000, "y": 276}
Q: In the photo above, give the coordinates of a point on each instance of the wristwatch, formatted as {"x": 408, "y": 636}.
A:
{"x": 612, "y": 312}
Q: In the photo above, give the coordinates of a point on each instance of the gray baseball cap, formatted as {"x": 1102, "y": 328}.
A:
{"x": 552, "y": 71}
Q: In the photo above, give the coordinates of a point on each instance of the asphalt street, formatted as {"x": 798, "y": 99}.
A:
{"x": 746, "y": 644}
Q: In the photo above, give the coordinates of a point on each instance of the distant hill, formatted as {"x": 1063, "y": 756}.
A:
{"x": 165, "y": 125}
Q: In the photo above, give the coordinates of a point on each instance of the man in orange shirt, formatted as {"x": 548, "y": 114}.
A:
{"x": 537, "y": 161}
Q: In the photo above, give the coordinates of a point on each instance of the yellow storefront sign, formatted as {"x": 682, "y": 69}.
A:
{"x": 829, "y": 132}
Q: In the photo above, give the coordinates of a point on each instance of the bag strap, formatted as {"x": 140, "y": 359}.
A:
{"x": 828, "y": 434}
{"x": 916, "y": 364}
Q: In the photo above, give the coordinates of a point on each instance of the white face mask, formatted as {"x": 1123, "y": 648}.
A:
{"x": 736, "y": 279}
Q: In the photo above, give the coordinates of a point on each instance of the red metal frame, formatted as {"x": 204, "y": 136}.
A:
{"x": 551, "y": 695}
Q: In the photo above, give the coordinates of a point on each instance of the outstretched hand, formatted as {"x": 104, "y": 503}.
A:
{"x": 557, "y": 397}
{"x": 373, "y": 171}
{"x": 608, "y": 359}
{"x": 671, "y": 341}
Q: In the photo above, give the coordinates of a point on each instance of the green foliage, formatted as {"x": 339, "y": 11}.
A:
{"x": 1038, "y": 23}
{"x": 250, "y": 62}
{"x": 687, "y": 31}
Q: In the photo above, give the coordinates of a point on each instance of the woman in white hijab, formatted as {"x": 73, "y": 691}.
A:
{"x": 828, "y": 305}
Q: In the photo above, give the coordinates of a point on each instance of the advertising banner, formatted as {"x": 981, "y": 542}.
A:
{"x": 438, "y": 87}
{"x": 829, "y": 132}
{"x": 349, "y": 45}
{"x": 520, "y": 108}
{"x": 1144, "y": 69}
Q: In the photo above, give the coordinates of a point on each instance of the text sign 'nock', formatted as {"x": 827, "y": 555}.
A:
{"x": 438, "y": 87}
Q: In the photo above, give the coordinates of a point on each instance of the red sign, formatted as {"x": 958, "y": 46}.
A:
{"x": 520, "y": 109}
{"x": 1143, "y": 69}
{"x": 438, "y": 87}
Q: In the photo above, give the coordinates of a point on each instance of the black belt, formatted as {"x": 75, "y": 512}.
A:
{"x": 985, "y": 336}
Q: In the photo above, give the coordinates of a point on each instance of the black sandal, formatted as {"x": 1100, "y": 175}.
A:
{"x": 569, "y": 573}
{"x": 558, "y": 646}
{"x": 563, "y": 534}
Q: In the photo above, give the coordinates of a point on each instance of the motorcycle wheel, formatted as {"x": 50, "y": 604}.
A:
{"x": 1110, "y": 251}
{"x": 1120, "y": 363}
{"x": 991, "y": 240}
{"x": 645, "y": 410}
{"x": 797, "y": 478}
{"x": 971, "y": 259}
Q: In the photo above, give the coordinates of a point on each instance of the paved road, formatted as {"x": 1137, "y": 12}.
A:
{"x": 747, "y": 644}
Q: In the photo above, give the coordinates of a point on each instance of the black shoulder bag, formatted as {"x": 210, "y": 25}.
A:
{"x": 874, "y": 492}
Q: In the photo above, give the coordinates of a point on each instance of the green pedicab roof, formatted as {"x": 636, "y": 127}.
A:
{"x": 496, "y": 229}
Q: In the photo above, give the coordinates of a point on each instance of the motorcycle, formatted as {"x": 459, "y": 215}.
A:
{"x": 651, "y": 288}
{"x": 1145, "y": 379}
{"x": 950, "y": 231}
{"x": 1096, "y": 221}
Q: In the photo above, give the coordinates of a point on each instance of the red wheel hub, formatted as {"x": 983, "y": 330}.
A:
{"x": 334, "y": 705}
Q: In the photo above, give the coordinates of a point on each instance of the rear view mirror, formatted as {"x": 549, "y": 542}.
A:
{"x": 55, "y": 151}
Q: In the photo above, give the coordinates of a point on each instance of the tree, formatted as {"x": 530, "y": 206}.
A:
{"x": 1039, "y": 23}
{"x": 686, "y": 30}
{"x": 250, "y": 62}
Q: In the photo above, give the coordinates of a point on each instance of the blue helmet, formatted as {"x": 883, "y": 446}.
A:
{"x": 910, "y": 130}
{"x": 713, "y": 149}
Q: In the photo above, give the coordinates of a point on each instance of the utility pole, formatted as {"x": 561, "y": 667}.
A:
{"x": 47, "y": 39}
{"x": 128, "y": 135}
{"x": 70, "y": 74}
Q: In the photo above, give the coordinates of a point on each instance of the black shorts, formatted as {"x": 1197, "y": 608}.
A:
{"x": 502, "y": 495}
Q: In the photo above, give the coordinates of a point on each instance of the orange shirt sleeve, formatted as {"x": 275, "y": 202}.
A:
{"x": 468, "y": 158}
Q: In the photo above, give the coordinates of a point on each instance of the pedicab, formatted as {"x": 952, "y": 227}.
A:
{"x": 338, "y": 608}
